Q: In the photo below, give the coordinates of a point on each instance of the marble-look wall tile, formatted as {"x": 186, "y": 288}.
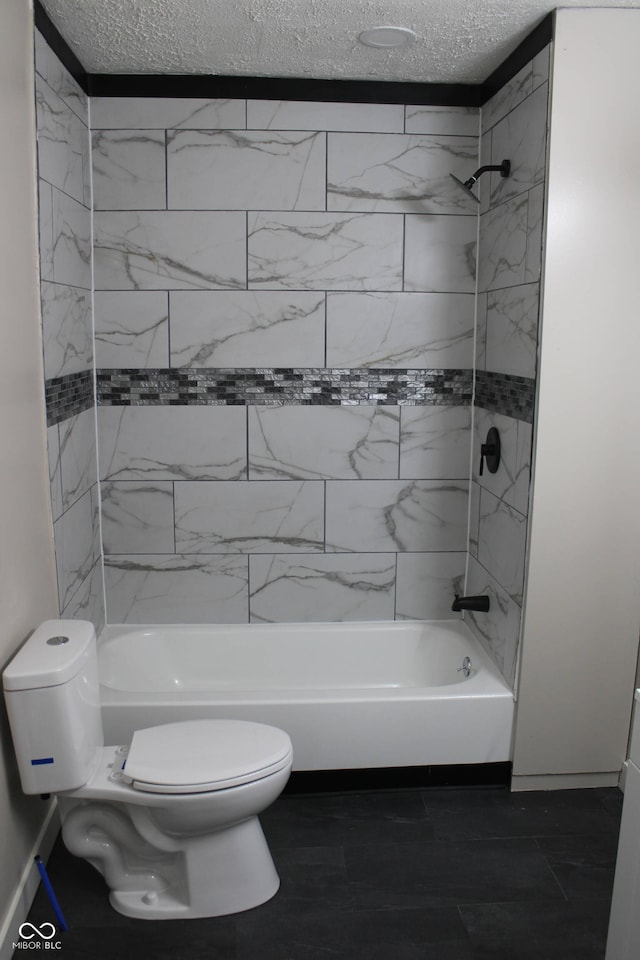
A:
{"x": 137, "y": 517}
{"x": 329, "y": 251}
{"x": 396, "y": 515}
{"x": 501, "y": 543}
{"x": 131, "y": 328}
{"x": 326, "y": 587}
{"x": 423, "y": 330}
{"x": 247, "y": 328}
{"x": 66, "y": 329}
{"x": 172, "y": 443}
{"x": 435, "y": 442}
{"x": 45, "y": 229}
{"x": 77, "y": 456}
{"x": 310, "y": 115}
{"x": 507, "y": 98}
{"x": 440, "y": 253}
{"x": 61, "y": 142}
{"x": 169, "y": 250}
{"x": 511, "y": 481}
{"x": 55, "y": 482}
{"x": 481, "y": 331}
{"x": 129, "y": 170}
{"x": 176, "y": 589}
{"x": 541, "y": 66}
{"x": 535, "y": 214}
{"x": 398, "y": 173}
{"x": 304, "y": 442}
{"x": 240, "y": 170}
{"x": 512, "y": 330}
{"x": 59, "y": 79}
{"x": 475, "y": 492}
{"x": 450, "y": 121}
{"x": 499, "y": 629}
{"x": 520, "y": 136}
{"x": 503, "y": 245}
{"x": 75, "y": 545}
{"x": 262, "y": 516}
{"x": 161, "y": 113}
{"x": 428, "y": 584}
{"x": 87, "y": 603}
{"x": 71, "y": 242}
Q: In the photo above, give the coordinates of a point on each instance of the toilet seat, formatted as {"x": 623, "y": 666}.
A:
{"x": 199, "y": 756}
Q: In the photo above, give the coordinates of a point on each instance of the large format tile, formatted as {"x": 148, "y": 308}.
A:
{"x": 66, "y": 329}
{"x": 71, "y": 241}
{"x": 137, "y": 517}
{"x": 537, "y": 931}
{"x": 434, "y": 442}
{"x": 77, "y": 456}
{"x": 450, "y": 121}
{"x": 129, "y": 170}
{"x": 440, "y": 253}
{"x": 51, "y": 69}
{"x": 322, "y": 587}
{"x": 397, "y": 173}
{"x": 333, "y": 251}
{"x": 176, "y": 589}
{"x": 512, "y": 330}
{"x": 429, "y": 874}
{"x": 87, "y": 603}
{"x": 131, "y": 328}
{"x": 241, "y": 170}
{"x": 61, "y": 142}
{"x": 503, "y": 245}
{"x": 521, "y": 136}
{"x": 76, "y": 545}
{"x": 172, "y": 443}
{"x": 427, "y": 584}
{"x": 247, "y": 328}
{"x": 152, "y": 250}
{"x": 264, "y": 516}
{"x": 396, "y": 515}
{"x": 425, "y": 330}
{"x": 501, "y": 543}
{"x": 321, "y": 115}
{"x": 149, "y": 113}
{"x": 305, "y": 442}
{"x": 498, "y": 630}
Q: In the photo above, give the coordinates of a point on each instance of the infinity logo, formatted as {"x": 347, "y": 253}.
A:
{"x": 37, "y": 931}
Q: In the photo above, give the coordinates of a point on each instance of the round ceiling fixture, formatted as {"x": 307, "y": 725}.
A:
{"x": 387, "y": 37}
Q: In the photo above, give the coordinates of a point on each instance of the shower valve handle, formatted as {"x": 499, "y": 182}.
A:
{"x": 490, "y": 452}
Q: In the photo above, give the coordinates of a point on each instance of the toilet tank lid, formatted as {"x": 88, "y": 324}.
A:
{"x": 54, "y": 653}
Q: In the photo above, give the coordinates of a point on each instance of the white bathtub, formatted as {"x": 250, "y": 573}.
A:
{"x": 350, "y": 695}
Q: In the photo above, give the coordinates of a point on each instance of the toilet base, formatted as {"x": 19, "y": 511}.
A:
{"x": 226, "y": 873}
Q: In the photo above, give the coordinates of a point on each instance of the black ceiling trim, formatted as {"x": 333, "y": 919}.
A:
{"x": 60, "y": 46}
{"x": 210, "y": 86}
{"x": 532, "y": 44}
{"x": 282, "y": 88}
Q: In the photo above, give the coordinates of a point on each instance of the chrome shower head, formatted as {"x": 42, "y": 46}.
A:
{"x": 504, "y": 168}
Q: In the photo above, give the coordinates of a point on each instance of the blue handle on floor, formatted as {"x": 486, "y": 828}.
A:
{"x": 62, "y": 923}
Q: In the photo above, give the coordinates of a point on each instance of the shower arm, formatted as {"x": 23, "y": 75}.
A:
{"x": 504, "y": 168}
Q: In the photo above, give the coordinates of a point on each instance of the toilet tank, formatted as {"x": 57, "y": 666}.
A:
{"x": 52, "y": 695}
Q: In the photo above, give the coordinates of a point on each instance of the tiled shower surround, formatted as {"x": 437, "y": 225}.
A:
{"x": 64, "y": 181}
{"x": 285, "y": 344}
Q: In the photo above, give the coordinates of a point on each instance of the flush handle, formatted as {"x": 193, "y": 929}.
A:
{"x": 490, "y": 452}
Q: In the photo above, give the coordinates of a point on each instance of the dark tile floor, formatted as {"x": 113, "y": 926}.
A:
{"x": 446, "y": 874}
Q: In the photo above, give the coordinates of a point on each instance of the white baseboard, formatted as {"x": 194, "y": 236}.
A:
{"x": 564, "y": 781}
{"x": 28, "y": 884}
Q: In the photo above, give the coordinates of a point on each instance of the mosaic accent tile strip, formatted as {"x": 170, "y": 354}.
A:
{"x": 69, "y": 395}
{"x": 506, "y": 394}
{"x": 318, "y": 386}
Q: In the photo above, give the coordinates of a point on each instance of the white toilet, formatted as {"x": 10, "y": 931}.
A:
{"x": 171, "y": 819}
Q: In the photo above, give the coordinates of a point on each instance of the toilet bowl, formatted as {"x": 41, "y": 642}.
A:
{"x": 170, "y": 819}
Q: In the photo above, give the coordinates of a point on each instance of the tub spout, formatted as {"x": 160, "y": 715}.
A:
{"x": 480, "y": 603}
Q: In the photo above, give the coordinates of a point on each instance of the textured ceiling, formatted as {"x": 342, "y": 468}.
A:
{"x": 459, "y": 41}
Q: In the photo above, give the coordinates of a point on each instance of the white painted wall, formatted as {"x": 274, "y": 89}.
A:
{"x": 27, "y": 574}
{"x": 582, "y": 608}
